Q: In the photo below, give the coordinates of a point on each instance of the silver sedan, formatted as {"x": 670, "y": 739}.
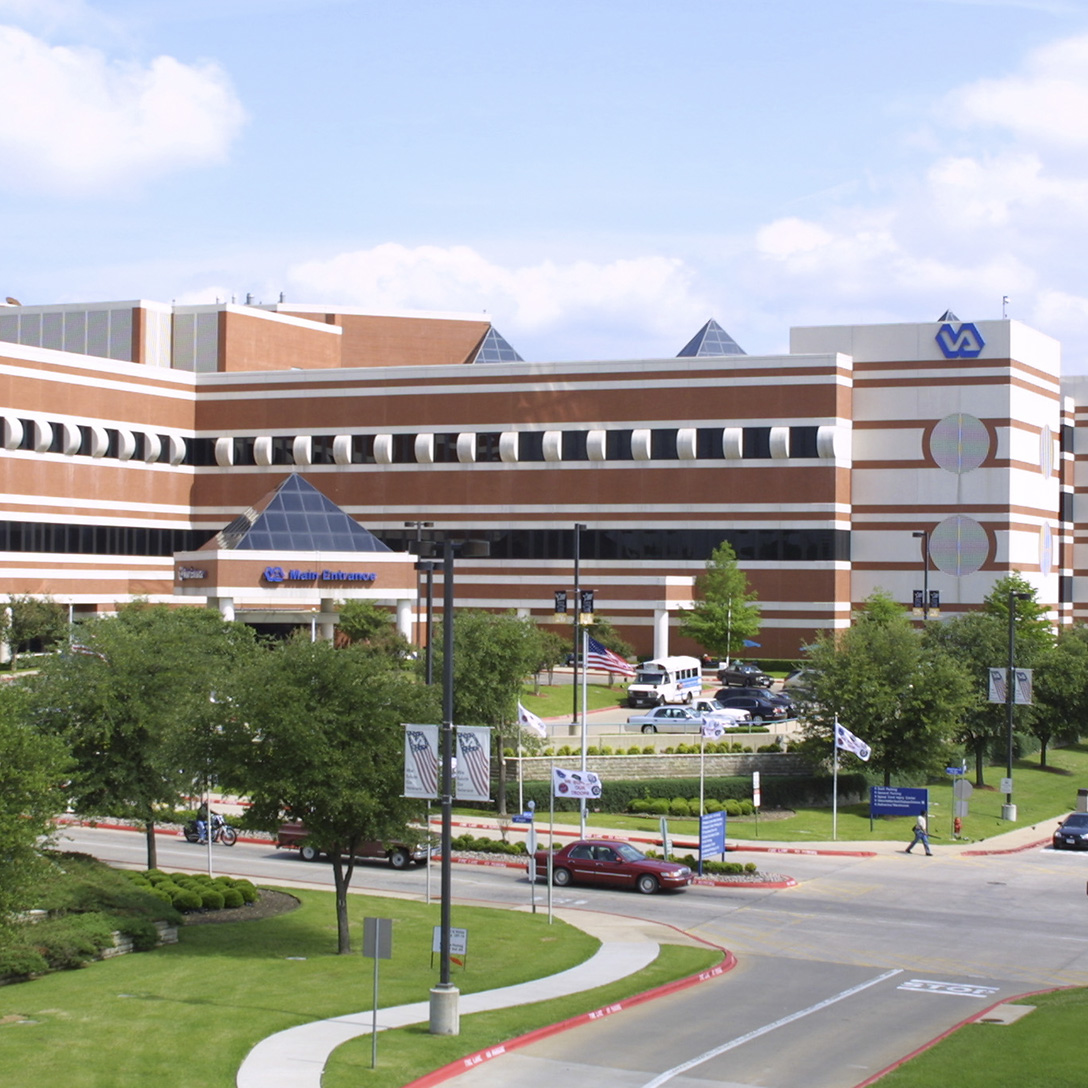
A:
{"x": 666, "y": 719}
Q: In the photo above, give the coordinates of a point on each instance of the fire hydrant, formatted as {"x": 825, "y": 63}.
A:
{"x": 957, "y": 826}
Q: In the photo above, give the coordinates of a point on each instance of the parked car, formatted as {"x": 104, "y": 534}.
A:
{"x": 744, "y": 674}
{"x": 760, "y": 707}
{"x": 727, "y": 715}
{"x": 1072, "y": 832}
{"x": 666, "y": 719}
{"x": 780, "y": 697}
{"x": 294, "y": 836}
{"x": 799, "y": 678}
{"x": 610, "y": 864}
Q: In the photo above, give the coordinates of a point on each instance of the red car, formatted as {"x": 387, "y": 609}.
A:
{"x": 611, "y": 864}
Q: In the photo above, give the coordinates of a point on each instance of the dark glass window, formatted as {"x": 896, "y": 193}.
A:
{"x": 199, "y": 451}
{"x": 757, "y": 442}
{"x": 708, "y": 443}
{"x": 663, "y": 444}
{"x": 574, "y": 446}
{"x": 1065, "y": 506}
{"x": 283, "y": 450}
{"x": 445, "y": 449}
{"x": 1066, "y": 438}
{"x": 243, "y": 451}
{"x": 362, "y": 449}
{"x": 803, "y": 442}
{"x": 404, "y": 449}
{"x": 113, "y": 442}
{"x": 1065, "y": 589}
{"x": 84, "y": 441}
{"x": 531, "y": 446}
{"x": 487, "y": 446}
{"x": 139, "y": 445}
{"x": 617, "y": 446}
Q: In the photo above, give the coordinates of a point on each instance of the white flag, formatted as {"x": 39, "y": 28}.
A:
{"x": 529, "y": 720}
{"x": 712, "y": 728}
{"x": 575, "y": 784}
{"x": 845, "y": 739}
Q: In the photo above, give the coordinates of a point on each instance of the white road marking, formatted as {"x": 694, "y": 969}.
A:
{"x": 957, "y": 989}
{"x": 661, "y": 1078}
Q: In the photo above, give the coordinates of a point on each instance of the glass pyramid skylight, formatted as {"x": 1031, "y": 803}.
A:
{"x": 494, "y": 348}
{"x": 295, "y": 517}
{"x": 710, "y": 340}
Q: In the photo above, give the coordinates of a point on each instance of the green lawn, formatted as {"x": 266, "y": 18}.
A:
{"x": 1042, "y": 1050}
{"x": 1040, "y": 796}
{"x": 557, "y": 700}
{"x": 188, "y": 1014}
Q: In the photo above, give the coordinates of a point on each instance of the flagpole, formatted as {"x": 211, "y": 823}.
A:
{"x": 551, "y": 838}
{"x": 835, "y": 783}
{"x": 585, "y": 681}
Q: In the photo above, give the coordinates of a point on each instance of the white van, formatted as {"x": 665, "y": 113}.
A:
{"x": 666, "y": 680}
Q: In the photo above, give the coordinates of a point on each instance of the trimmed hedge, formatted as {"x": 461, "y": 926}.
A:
{"x": 779, "y": 792}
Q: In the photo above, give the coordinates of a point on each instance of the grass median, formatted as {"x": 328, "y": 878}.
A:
{"x": 189, "y": 1013}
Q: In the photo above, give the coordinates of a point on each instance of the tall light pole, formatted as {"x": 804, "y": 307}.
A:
{"x": 444, "y": 1015}
{"x": 427, "y": 566}
{"x": 419, "y": 526}
{"x": 923, "y": 534}
{"x": 578, "y": 530}
{"x": 1008, "y": 811}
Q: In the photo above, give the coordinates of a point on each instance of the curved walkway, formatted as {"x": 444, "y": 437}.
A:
{"x": 296, "y": 1058}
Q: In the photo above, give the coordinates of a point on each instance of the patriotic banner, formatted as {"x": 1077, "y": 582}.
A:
{"x": 421, "y": 761}
{"x": 575, "y": 784}
{"x": 473, "y": 763}
{"x": 597, "y": 657}
{"x": 713, "y": 728}
{"x": 528, "y": 720}
{"x": 846, "y": 740}
{"x": 1022, "y": 690}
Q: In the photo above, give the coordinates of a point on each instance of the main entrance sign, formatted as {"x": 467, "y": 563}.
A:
{"x": 278, "y": 574}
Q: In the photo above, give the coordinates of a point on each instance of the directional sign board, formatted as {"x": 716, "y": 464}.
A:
{"x": 897, "y": 801}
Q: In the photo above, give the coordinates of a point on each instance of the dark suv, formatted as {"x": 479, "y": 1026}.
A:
{"x": 742, "y": 674}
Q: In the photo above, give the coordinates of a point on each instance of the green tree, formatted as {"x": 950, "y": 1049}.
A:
{"x": 32, "y": 771}
{"x": 725, "y": 613}
{"x": 368, "y": 623}
{"x": 882, "y": 682}
{"x": 1061, "y": 691}
{"x": 134, "y": 703}
{"x": 33, "y": 621}
{"x": 553, "y": 650}
{"x": 979, "y": 641}
{"x": 317, "y": 736}
{"x": 493, "y": 653}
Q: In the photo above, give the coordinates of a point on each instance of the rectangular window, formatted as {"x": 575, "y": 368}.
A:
{"x": 404, "y": 449}
{"x": 574, "y": 446}
{"x": 531, "y": 446}
{"x": 445, "y": 449}
{"x": 708, "y": 444}
{"x": 756, "y": 443}
{"x": 663, "y": 444}
{"x": 617, "y": 446}
{"x": 803, "y": 442}
{"x": 487, "y": 446}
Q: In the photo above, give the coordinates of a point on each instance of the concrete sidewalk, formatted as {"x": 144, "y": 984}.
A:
{"x": 296, "y": 1058}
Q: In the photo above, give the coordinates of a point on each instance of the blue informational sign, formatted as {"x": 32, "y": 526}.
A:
{"x": 711, "y": 834}
{"x": 522, "y": 818}
{"x": 897, "y": 801}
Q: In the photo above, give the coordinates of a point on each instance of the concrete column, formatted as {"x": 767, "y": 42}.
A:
{"x": 661, "y": 632}
{"x": 225, "y": 606}
{"x": 326, "y": 632}
{"x": 405, "y": 610}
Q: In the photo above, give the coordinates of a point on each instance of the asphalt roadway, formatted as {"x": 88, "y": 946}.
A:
{"x": 861, "y": 962}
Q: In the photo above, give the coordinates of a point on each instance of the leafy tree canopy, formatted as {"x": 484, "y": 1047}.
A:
{"x": 368, "y": 623}
{"x": 725, "y": 613}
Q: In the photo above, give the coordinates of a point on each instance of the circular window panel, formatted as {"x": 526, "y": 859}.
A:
{"x": 1046, "y": 549}
{"x": 1046, "y": 453}
{"x": 959, "y": 545}
{"x": 959, "y": 443}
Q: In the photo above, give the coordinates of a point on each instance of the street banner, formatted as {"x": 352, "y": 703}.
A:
{"x": 1022, "y": 689}
{"x": 421, "y": 761}
{"x": 576, "y": 784}
{"x": 473, "y": 763}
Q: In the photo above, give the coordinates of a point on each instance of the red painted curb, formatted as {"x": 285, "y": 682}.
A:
{"x": 472, "y": 1060}
{"x": 1014, "y": 850}
{"x": 955, "y": 1027}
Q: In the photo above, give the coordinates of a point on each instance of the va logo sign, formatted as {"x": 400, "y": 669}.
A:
{"x": 273, "y": 574}
{"x": 966, "y": 343}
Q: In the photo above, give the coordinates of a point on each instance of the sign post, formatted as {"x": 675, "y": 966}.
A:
{"x": 378, "y": 945}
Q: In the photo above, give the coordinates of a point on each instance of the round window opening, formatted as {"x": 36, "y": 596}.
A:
{"x": 959, "y": 546}
{"x": 959, "y": 443}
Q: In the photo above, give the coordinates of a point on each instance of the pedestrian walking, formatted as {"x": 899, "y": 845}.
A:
{"x": 921, "y": 834}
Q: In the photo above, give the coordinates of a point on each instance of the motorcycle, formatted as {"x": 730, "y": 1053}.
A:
{"x": 222, "y": 832}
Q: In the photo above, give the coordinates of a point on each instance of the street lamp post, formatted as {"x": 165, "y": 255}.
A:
{"x": 578, "y": 530}
{"x": 427, "y": 566}
{"x": 923, "y": 534}
{"x": 1008, "y": 810}
{"x": 419, "y": 526}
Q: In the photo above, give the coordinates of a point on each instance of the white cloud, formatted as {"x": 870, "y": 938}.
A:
{"x": 651, "y": 295}
{"x": 1046, "y": 101}
{"x": 76, "y": 121}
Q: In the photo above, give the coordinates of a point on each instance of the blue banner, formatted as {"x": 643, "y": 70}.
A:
{"x": 711, "y": 834}
{"x": 897, "y": 801}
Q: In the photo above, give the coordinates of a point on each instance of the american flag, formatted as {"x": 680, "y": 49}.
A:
{"x": 473, "y": 764}
{"x": 425, "y": 759}
{"x": 599, "y": 657}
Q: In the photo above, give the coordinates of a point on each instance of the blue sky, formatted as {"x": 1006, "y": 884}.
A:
{"x": 599, "y": 176}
